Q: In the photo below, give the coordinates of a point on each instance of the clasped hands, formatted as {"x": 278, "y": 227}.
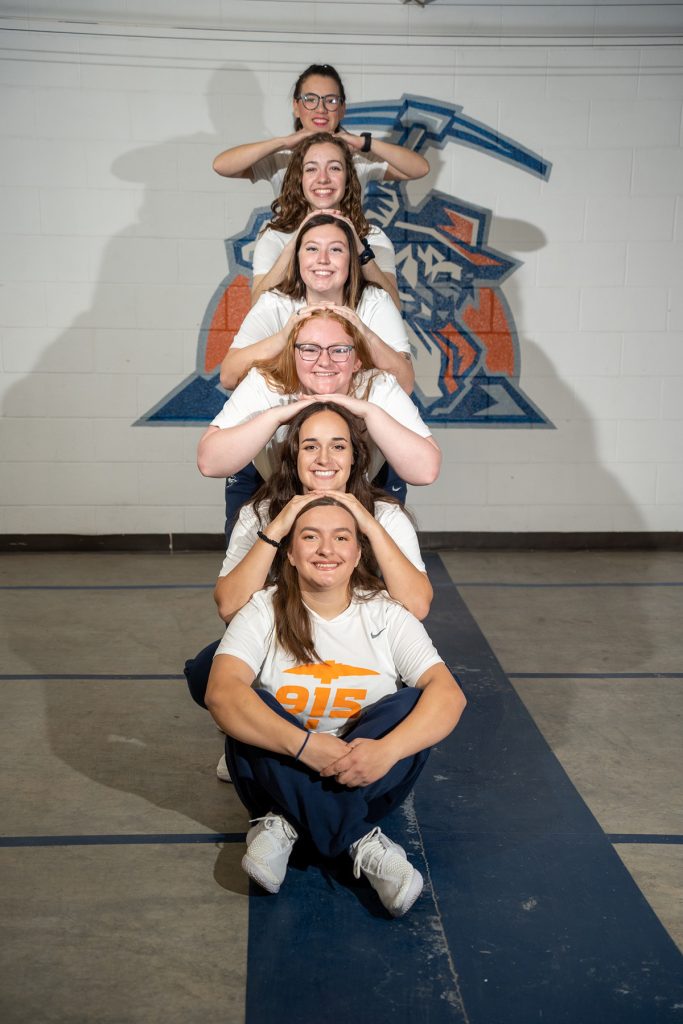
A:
{"x": 356, "y": 763}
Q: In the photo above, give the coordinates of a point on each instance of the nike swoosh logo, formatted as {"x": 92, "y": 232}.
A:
{"x": 395, "y": 489}
{"x": 375, "y": 635}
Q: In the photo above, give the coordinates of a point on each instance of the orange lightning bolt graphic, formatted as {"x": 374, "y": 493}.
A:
{"x": 327, "y": 671}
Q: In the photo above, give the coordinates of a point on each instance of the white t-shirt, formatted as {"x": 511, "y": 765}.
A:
{"x": 390, "y": 516}
{"x": 270, "y": 244}
{"x": 367, "y": 651}
{"x": 273, "y": 309}
{"x": 272, "y": 168}
{"x": 253, "y": 396}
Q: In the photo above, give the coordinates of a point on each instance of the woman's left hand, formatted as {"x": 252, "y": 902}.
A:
{"x": 366, "y": 761}
{"x": 342, "y": 216}
{"x": 355, "y": 405}
{"x": 353, "y": 318}
{"x": 366, "y": 521}
{"x": 354, "y": 142}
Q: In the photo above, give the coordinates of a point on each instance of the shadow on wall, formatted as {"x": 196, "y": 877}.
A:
{"x": 137, "y": 337}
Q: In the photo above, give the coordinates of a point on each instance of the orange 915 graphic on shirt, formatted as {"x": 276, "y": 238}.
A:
{"x": 326, "y": 700}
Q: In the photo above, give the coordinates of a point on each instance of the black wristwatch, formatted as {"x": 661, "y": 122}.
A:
{"x": 367, "y": 253}
{"x": 367, "y": 141}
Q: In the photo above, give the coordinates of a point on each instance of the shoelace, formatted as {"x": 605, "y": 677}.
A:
{"x": 270, "y": 820}
{"x": 370, "y": 848}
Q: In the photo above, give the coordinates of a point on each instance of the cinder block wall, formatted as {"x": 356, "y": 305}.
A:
{"x": 113, "y": 228}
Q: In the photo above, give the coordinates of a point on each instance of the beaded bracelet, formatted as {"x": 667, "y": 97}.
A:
{"x": 269, "y": 540}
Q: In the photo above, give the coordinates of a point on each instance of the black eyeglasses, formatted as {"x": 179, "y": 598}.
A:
{"x": 311, "y": 101}
{"x": 337, "y": 353}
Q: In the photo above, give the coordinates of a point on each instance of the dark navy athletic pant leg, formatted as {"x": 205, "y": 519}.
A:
{"x": 330, "y": 815}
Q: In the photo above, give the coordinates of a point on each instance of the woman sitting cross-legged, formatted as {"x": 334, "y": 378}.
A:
{"x": 351, "y": 695}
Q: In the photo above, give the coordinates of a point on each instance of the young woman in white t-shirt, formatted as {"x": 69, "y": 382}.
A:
{"x": 324, "y": 268}
{"x": 351, "y": 695}
{"x": 319, "y": 105}
{"x": 325, "y": 358}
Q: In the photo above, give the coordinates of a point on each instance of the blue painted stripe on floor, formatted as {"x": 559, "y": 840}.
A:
{"x": 595, "y": 675}
{"x": 88, "y": 677}
{"x": 529, "y": 914}
{"x": 560, "y": 586}
{"x": 652, "y": 839}
{"x": 108, "y": 586}
{"x": 162, "y": 839}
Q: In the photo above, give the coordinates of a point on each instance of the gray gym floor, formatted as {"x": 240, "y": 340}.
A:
{"x": 122, "y": 894}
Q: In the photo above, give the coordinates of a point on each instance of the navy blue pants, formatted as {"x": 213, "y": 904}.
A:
{"x": 197, "y": 673}
{"x": 239, "y": 489}
{"x": 332, "y": 816}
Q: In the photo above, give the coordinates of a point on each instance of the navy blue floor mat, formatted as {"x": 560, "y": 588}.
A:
{"x": 528, "y": 914}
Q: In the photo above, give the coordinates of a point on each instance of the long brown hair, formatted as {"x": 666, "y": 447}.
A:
{"x": 280, "y": 373}
{"x": 293, "y": 628}
{"x": 290, "y": 207}
{"x": 292, "y": 284}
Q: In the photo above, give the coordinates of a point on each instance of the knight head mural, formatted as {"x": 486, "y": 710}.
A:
{"x": 462, "y": 332}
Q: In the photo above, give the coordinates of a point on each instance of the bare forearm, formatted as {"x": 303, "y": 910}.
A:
{"x": 263, "y": 282}
{"x": 239, "y": 360}
{"x": 384, "y": 357}
{"x": 240, "y": 713}
{"x": 223, "y": 451}
{"x": 374, "y": 275}
{"x": 238, "y": 161}
{"x": 404, "y": 164}
{"x": 435, "y": 715}
{"x": 404, "y": 581}
{"x": 250, "y": 574}
{"x": 416, "y": 459}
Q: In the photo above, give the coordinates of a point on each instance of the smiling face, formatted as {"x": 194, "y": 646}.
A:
{"x": 324, "y": 262}
{"x": 325, "y": 548}
{"x": 323, "y": 176}
{"x": 325, "y": 453}
{"x": 323, "y": 377}
{"x": 320, "y": 119}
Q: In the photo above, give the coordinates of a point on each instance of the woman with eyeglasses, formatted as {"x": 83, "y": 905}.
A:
{"x": 351, "y": 697}
{"x": 326, "y": 358}
{"x": 324, "y": 268}
{"x": 318, "y": 105}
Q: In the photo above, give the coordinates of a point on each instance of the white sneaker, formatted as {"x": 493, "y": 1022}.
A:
{"x": 384, "y": 864}
{"x": 222, "y": 770}
{"x": 269, "y": 844}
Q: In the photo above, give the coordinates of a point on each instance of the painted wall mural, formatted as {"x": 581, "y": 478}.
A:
{"x": 464, "y": 339}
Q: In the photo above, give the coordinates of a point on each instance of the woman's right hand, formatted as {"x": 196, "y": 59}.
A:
{"x": 366, "y": 521}
{"x": 279, "y": 527}
{"x": 290, "y": 141}
{"x": 284, "y": 413}
{"x": 322, "y": 750}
